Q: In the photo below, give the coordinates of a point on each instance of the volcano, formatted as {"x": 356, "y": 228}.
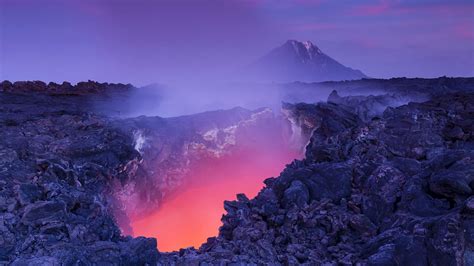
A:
{"x": 300, "y": 61}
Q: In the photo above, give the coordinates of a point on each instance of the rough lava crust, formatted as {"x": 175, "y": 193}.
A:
{"x": 390, "y": 187}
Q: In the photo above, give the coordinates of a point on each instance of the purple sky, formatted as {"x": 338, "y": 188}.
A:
{"x": 142, "y": 41}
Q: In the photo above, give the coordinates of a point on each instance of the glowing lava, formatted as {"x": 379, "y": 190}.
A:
{"x": 193, "y": 213}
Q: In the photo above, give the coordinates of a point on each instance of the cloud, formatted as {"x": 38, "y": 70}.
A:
{"x": 398, "y": 7}
{"x": 313, "y": 26}
{"x": 464, "y": 30}
{"x": 376, "y": 9}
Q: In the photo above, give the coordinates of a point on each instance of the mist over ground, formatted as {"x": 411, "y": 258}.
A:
{"x": 172, "y": 100}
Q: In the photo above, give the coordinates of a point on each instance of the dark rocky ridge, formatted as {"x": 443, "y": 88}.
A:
{"x": 65, "y": 88}
{"x": 374, "y": 188}
{"x": 411, "y": 89}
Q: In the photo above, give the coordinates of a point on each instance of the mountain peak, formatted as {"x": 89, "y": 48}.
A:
{"x": 301, "y": 61}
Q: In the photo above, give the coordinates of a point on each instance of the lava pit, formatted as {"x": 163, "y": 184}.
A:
{"x": 193, "y": 213}
{"x": 179, "y": 200}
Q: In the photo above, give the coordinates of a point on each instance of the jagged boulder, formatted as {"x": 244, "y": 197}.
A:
{"x": 43, "y": 212}
{"x": 28, "y": 193}
{"x": 297, "y": 194}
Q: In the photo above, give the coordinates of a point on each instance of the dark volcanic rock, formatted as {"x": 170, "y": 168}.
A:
{"x": 297, "y": 194}
{"x": 330, "y": 181}
{"x": 66, "y": 88}
{"x": 28, "y": 193}
{"x": 56, "y": 163}
{"x": 392, "y": 188}
{"x": 368, "y": 107}
{"x": 43, "y": 212}
{"x": 390, "y": 191}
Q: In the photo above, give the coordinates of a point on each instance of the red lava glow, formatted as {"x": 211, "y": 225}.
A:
{"x": 193, "y": 214}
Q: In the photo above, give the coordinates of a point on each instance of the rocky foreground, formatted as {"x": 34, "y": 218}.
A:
{"x": 56, "y": 161}
{"x": 390, "y": 187}
{"x": 397, "y": 190}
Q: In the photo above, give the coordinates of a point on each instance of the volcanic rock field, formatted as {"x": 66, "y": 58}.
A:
{"x": 384, "y": 175}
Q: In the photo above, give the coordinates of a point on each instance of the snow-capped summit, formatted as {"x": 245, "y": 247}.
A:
{"x": 304, "y": 49}
{"x": 310, "y": 47}
{"x": 300, "y": 61}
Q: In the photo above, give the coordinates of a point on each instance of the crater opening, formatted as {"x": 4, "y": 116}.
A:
{"x": 220, "y": 163}
{"x": 192, "y": 214}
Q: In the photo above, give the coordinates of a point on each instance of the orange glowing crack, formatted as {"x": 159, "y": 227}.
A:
{"x": 193, "y": 214}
